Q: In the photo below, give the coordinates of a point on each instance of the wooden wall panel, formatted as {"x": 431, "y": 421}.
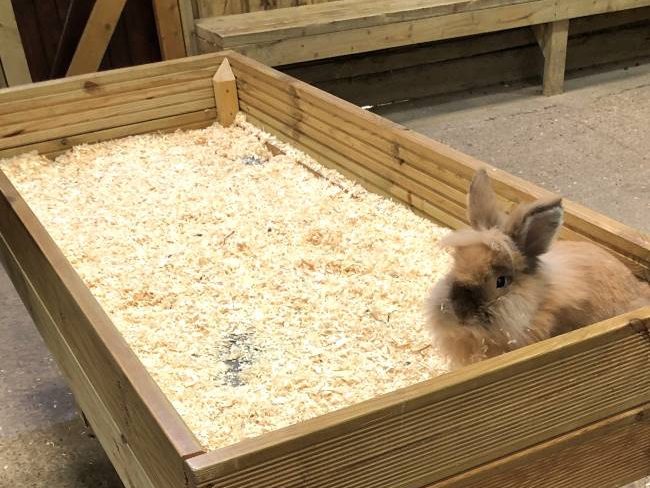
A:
{"x": 41, "y": 25}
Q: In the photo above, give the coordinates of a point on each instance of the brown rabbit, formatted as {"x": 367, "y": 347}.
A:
{"x": 511, "y": 285}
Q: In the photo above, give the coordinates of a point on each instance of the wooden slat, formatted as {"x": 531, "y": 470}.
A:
{"x": 146, "y": 419}
{"x": 107, "y": 431}
{"x": 170, "y": 29}
{"x": 201, "y": 118}
{"x": 591, "y": 456}
{"x": 25, "y": 113}
{"x": 191, "y": 120}
{"x": 96, "y": 36}
{"x": 443, "y": 427}
{"x": 22, "y": 94}
{"x": 24, "y": 110}
{"x": 77, "y": 112}
{"x": 162, "y": 126}
{"x": 12, "y": 54}
{"x": 325, "y": 18}
{"x": 115, "y": 116}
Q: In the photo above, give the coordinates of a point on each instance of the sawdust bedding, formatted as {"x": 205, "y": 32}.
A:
{"x": 256, "y": 292}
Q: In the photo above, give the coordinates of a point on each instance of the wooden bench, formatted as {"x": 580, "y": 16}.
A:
{"x": 326, "y": 30}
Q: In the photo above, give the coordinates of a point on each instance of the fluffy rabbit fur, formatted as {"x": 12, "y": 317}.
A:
{"x": 511, "y": 285}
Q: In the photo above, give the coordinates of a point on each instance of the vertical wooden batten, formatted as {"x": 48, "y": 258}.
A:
{"x": 12, "y": 54}
{"x": 225, "y": 94}
{"x": 170, "y": 29}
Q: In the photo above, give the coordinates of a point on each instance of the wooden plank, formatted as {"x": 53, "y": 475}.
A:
{"x": 118, "y": 52}
{"x": 553, "y": 42}
{"x": 24, "y": 110}
{"x": 96, "y": 36}
{"x": 443, "y": 427}
{"x": 201, "y": 118}
{"x": 186, "y": 10}
{"x": 225, "y": 94}
{"x": 290, "y": 50}
{"x": 12, "y": 54}
{"x": 146, "y": 419}
{"x": 62, "y": 116}
{"x": 115, "y": 117}
{"x": 189, "y": 121}
{"x": 94, "y": 84}
{"x": 590, "y": 456}
{"x": 170, "y": 29}
{"x": 95, "y": 412}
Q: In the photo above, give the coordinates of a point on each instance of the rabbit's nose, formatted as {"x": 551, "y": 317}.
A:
{"x": 465, "y": 300}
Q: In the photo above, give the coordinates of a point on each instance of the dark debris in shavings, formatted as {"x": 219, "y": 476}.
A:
{"x": 252, "y": 160}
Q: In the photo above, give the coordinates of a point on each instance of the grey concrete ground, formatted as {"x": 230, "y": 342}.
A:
{"x": 590, "y": 144}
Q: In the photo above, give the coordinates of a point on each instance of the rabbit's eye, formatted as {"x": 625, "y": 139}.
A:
{"x": 503, "y": 281}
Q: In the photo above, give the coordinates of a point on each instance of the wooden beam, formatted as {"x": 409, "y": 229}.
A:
{"x": 170, "y": 29}
{"x": 96, "y": 36}
{"x": 14, "y": 62}
{"x": 225, "y": 94}
{"x": 553, "y": 38}
{"x": 186, "y": 9}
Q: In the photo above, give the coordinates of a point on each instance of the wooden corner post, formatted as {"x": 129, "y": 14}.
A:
{"x": 552, "y": 39}
{"x": 225, "y": 94}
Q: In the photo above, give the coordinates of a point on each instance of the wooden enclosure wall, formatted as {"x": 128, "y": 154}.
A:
{"x": 214, "y": 8}
{"x": 476, "y": 61}
{"x": 41, "y": 23}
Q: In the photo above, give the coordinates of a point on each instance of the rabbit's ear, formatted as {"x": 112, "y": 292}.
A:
{"x": 482, "y": 207}
{"x": 533, "y": 227}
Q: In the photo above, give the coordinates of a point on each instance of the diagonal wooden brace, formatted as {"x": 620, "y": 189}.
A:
{"x": 552, "y": 39}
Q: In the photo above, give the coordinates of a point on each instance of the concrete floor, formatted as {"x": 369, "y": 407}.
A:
{"x": 591, "y": 144}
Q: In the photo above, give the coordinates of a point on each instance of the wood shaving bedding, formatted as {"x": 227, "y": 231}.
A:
{"x": 256, "y": 293}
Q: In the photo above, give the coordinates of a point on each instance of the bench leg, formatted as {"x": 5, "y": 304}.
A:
{"x": 552, "y": 39}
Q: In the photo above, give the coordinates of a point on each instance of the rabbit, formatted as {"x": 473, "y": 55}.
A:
{"x": 511, "y": 284}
